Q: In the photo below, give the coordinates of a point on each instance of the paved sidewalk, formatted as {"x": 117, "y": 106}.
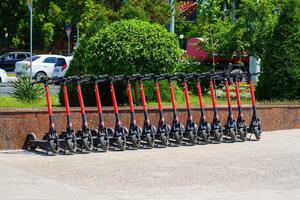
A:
{"x": 267, "y": 169}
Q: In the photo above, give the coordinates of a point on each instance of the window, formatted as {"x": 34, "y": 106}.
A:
{"x": 33, "y": 58}
{"x": 60, "y": 62}
{"x": 9, "y": 57}
{"x": 50, "y": 60}
{"x": 21, "y": 56}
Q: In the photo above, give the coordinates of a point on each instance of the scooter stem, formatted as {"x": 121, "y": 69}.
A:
{"x": 130, "y": 100}
{"x": 115, "y": 104}
{"x": 228, "y": 99}
{"x": 200, "y": 99}
{"x": 238, "y": 98}
{"x": 187, "y": 100}
{"x": 48, "y": 99}
{"x": 212, "y": 93}
{"x": 143, "y": 99}
{"x": 252, "y": 93}
{"x": 67, "y": 106}
{"x": 82, "y": 109}
{"x": 98, "y": 100}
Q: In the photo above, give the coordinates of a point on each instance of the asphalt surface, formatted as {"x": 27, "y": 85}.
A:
{"x": 266, "y": 169}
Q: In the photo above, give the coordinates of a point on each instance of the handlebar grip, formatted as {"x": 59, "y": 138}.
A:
{"x": 119, "y": 77}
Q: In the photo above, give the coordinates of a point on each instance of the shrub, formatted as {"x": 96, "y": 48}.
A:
{"x": 125, "y": 47}
{"x": 26, "y": 92}
{"x": 281, "y": 65}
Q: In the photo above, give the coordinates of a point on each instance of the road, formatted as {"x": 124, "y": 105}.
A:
{"x": 268, "y": 169}
{"x": 6, "y": 89}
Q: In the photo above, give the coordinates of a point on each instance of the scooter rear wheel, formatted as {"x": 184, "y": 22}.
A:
{"x": 205, "y": 136}
{"x": 31, "y": 137}
{"x": 87, "y": 142}
{"x": 71, "y": 145}
{"x": 257, "y": 133}
{"x": 121, "y": 143}
{"x": 104, "y": 144}
{"x": 53, "y": 146}
{"x": 150, "y": 141}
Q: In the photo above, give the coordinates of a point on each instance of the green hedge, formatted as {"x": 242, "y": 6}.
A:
{"x": 124, "y": 47}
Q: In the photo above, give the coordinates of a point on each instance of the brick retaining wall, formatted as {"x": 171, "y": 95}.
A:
{"x": 15, "y": 124}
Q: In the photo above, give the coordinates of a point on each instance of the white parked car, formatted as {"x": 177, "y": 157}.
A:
{"x": 61, "y": 66}
{"x": 42, "y": 65}
{"x": 3, "y": 76}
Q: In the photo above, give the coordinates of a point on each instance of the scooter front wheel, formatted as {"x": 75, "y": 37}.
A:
{"x": 232, "y": 134}
{"x": 218, "y": 135}
{"x": 164, "y": 139}
{"x": 192, "y": 138}
{"x": 178, "y": 138}
{"x": 87, "y": 142}
{"x": 205, "y": 136}
{"x": 121, "y": 143}
{"x": 242, "y": 134}
{"x": 135, "y": 142}
{"x": 104, "y": 144}
{"x": 71, "y": 145}
{"x": 257, "y": 133}
{"x": 150, "y": 140}
{"x": 53, "y": 146}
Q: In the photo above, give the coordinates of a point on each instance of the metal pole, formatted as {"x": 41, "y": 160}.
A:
{"x": 30, "y": 8}
{"x": 172, "y": 25}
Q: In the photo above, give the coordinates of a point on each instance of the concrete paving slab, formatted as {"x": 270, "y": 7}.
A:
{"x": 266, "y": 169}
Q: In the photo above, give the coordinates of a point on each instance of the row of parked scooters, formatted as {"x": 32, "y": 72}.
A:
{"x": 103, "y": 138}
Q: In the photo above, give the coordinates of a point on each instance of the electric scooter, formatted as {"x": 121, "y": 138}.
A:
{"x": 100, "y": 135}
{"x": 120, "y": 132}
{"x": 135, "y": 131}
{"x": 51, "y": 139}
{"x": 230, "y": 126}
{"x": 216, "y": 126}
{"x": 85, "y": 135}
{"x": 69, "y": 135}
{"x": 240, "y": 122}
{"x": 190, "y": 133}
{"x": 204, "y": 126}
{"x": 255, "y": 126}
{"x": 177, "y": 128}
{"x": 163, "y": 129}
{"x": 149, "y": 130}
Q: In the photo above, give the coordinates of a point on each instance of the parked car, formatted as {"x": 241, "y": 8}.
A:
{"x": 3, "y": 76}
{"x": 7, "y": 61}
{"x": 61, "y": 66}
{"x": 42, "y": 65}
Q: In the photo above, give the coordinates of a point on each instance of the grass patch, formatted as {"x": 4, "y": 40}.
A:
{"x": 11, "y": 102}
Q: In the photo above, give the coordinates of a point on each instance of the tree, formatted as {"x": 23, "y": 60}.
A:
{"x": 232, "y": 30}
{"x": 281, "y": 64}
{"x": 125, "y": 47}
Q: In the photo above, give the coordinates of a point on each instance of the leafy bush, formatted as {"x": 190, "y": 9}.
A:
{"x": 281, "y": 65}
{"x": 125, "y": 47}
{"x": 26, "y": 92}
